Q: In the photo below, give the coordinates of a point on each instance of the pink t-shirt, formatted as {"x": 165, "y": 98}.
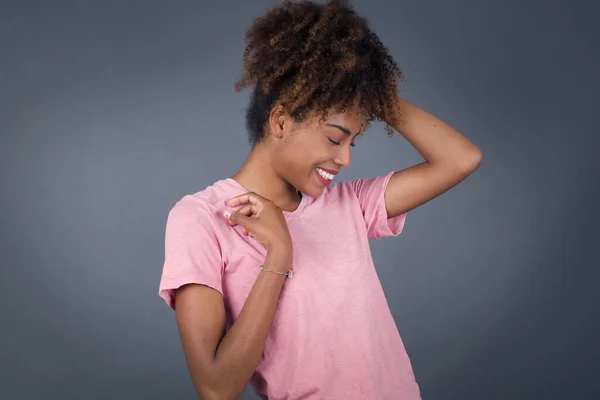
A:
{"x": 333, "y": 335}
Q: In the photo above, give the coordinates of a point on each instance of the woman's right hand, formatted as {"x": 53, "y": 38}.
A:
{"x": 261, "y": 220}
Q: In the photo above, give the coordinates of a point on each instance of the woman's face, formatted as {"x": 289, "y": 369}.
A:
{"x": 309, "y": 154}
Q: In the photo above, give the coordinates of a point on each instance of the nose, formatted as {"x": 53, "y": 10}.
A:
{"x": 343, "y": 157}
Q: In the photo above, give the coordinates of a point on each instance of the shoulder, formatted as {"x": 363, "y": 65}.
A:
{"x": 353, "y": 187}
{"x": 362, "y": 186}
{"x": 365, "y": 191}
{"x": 342, "y": 188}
{"x": 340, "y": 193}
{"x": 204, "y": 204}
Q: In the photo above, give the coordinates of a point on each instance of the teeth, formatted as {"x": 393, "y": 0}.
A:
{"x": 325, "y": 175}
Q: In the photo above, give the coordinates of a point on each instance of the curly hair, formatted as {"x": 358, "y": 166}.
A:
{"x": 308, "y": 57}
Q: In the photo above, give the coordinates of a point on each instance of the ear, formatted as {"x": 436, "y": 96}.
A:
{"x": 279, "y": 122}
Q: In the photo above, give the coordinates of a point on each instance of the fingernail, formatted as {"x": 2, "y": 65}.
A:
{"x": 227, "y": 213}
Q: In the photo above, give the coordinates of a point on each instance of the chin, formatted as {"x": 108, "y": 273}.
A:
{"x": 314, "y": 192}
{"x": 312, "y": 186}
{"x": 311, "y": 189}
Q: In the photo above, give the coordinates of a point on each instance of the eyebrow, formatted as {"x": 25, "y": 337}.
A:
{"x": 341, "y": 128}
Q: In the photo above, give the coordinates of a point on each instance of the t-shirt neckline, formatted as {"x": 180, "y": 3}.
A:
{"x": 296, "y": 212}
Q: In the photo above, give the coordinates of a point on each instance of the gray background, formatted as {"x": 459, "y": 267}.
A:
{"x": 111, "y": 111}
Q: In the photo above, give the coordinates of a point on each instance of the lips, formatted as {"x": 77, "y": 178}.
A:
{"x": 325, "y": 176}
{"x": 329, "y": 171}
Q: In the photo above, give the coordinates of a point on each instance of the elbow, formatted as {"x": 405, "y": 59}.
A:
{"x": 471, "y": 161}
{"x": 218, "y": 391}
{"x": 207, "y": 394}
{"x": 213, "y": 396}
{"x": 224, "y": 396}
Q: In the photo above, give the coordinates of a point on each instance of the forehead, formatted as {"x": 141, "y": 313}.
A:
{"x": 351, "y": 119}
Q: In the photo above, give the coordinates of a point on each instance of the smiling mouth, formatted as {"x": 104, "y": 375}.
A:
{"x": 324, "y": 174}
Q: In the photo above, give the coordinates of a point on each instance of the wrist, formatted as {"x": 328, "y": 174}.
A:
{"x": 279, "y": 257}
{"x": 280, "y": 247}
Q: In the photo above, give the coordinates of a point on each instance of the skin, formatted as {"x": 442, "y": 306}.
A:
{"x": 285, "y": 161}
{"x": 277, "y": 169}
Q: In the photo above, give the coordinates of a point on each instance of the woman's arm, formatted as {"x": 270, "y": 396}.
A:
{"x": 449, "y": 158}
{"x": 220, "y": 364}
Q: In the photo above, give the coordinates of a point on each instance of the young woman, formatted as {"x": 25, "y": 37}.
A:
{"x": 269, "y": 271}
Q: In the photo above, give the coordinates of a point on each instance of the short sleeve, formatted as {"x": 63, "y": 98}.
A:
{"x": 192, "y": 250}
{"x": 371, "y": 197}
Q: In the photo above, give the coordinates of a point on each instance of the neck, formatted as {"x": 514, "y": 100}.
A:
{"x": 258, "y": 175}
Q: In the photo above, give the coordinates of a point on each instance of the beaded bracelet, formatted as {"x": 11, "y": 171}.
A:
{"x": 288, "y": 274}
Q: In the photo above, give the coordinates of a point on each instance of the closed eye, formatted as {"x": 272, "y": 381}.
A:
{"x": 338, "y": 143}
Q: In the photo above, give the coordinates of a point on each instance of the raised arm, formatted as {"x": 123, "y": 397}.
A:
{"x": 449, "y": 159}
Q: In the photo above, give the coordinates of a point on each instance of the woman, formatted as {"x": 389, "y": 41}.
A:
{"x": 269, "y": 271}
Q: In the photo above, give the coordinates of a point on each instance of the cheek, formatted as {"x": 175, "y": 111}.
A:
{"x": 288, "y": 159}
{"x": 295, "y": 159}
{"x": 303, "y": 152}
{"x": 307, "y": 158}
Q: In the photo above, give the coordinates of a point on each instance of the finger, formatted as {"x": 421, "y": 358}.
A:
{"x": 243, "y": 199}
{"x": 248, "y": 210}
{"x": 227, "y": 213}
{"x": 240, "y": 219}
